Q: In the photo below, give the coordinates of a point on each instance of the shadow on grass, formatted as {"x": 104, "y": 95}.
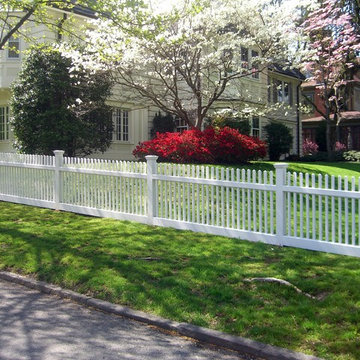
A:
{"x": 191, "y": 277}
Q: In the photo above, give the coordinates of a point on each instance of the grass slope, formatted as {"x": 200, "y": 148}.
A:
{"x": 330, "y": 168}
{"x": 192, "y": 277}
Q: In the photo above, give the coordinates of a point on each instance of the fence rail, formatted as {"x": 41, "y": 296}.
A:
{"x": 294, "y": 209}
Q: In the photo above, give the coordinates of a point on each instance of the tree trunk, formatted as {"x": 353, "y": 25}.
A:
{"x": 328, "y": 127}
{"x": 328, "y": 137}
{"x": 337, "y": 126}
{"x": 337, "y": 132}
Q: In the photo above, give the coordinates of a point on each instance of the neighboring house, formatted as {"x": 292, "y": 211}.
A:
{"x": 133, "y": 122}
{"x": 350, "y": 123}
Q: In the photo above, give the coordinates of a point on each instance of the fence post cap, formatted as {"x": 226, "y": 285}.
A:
{"x": 151, "y": 157}
{"x": 59, "y": 152}
{"x": 281, "y": 166}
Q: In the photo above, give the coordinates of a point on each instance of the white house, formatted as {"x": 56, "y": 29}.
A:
{"x": 133, "y": 121}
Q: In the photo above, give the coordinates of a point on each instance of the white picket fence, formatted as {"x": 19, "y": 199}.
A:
{"x": 294, "y": 209}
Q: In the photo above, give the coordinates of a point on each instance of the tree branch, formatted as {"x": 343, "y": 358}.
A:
{"x": 12, "y": 31}
{"x": 281, "y": 282}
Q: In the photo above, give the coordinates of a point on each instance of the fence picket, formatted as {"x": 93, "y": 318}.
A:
{"x": 326, "y": 209}
{"x": 346, "y": 205}
{"x": 222, "y": 211}
{"x": 320, "y": 180}
{"x": 340, "y": 211}
{"x": 353, "y": 218}
{"x": 272, "y": 217}
{"x": 333, "y": 225}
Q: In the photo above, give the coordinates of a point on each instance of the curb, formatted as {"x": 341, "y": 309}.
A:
{"x": 209, "y": 336}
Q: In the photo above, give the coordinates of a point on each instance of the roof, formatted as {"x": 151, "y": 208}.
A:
{"x": 313, "y": 84}
{"x": 84, "y": 11}
{"x": 80, "y": 9}
{"x": 346, "y": 115}
{"x": 295, "y": 73}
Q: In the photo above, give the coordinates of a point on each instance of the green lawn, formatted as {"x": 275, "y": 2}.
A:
{"x": 192, "y": 277}
{"x": 330, "y": 168}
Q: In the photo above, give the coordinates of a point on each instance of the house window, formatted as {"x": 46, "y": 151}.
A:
{"x": 255, "y": 126}
{"x": 254, "y": 65}
{"x": 281, "y": 92}
{"x": 13, "y": 48}
{"x": 4, "y": 123}
{"x": 121, "y": 124}
{"x": 309, "y": 134}
{"x": 309, "y": 101}
{"x": 247, "y": 63}
{"x": 356, "y": 99}
{"x": 244, "y": 57}
{"x": 181, "y": 125}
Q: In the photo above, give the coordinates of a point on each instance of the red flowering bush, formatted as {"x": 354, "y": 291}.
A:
{"x": 209, "y": 146}
{"x": 229, "y": 146}
{"x": 186, "y": 147}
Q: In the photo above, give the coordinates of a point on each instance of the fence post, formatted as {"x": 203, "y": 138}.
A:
{"x": 151, "y": 187}
{"x": 280, "y": 201}
{"x": 59, "y": 161}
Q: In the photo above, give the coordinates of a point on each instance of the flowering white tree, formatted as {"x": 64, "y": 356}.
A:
{"x": 14, "y": 14}
{"x": 332, "y": 42}
{"x": 185, "y": 60}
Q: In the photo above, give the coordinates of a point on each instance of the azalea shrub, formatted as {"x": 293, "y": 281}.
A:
{"x": 309, "y": 147}
{"x": 340, "y": 147}
{"x": 210, "y": 146}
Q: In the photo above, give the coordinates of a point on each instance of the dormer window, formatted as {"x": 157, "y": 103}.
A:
{"x": 244, "y": 57}
{"x": 254, "y": 65}
{"x": 13, "y": 48}
{"x": 280, "y": 92}
{"x": 248, "y": 62}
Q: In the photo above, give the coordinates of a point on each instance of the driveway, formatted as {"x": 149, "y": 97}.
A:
{"x": 37, "y": 326}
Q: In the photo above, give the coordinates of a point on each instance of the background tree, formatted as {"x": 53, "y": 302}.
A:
{"x": 229, "y": 119}
{"x": 352, "y": 7}
{"x": 54, "y": 108}
{"x": 279, "y": 139}
{"x": 185, "y": 60}
{"x": 162, "y": 124}
{"x": 333, "y": 43}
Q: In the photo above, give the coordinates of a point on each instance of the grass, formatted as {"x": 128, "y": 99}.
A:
{"x": 330, "y": 168}
{"x": 192, "y": 277}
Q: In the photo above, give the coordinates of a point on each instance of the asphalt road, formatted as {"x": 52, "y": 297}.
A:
{"x": 36, "y": 326}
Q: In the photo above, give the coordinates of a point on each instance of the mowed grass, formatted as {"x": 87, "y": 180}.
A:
{"x": 192, "y": 277}
{"x": 348, "y": 169}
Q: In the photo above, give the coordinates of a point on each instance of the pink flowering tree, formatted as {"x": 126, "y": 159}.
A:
{"x": 332, "y": 47}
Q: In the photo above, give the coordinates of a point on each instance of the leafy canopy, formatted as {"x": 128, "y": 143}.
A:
{"x": 185, "y": 60}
